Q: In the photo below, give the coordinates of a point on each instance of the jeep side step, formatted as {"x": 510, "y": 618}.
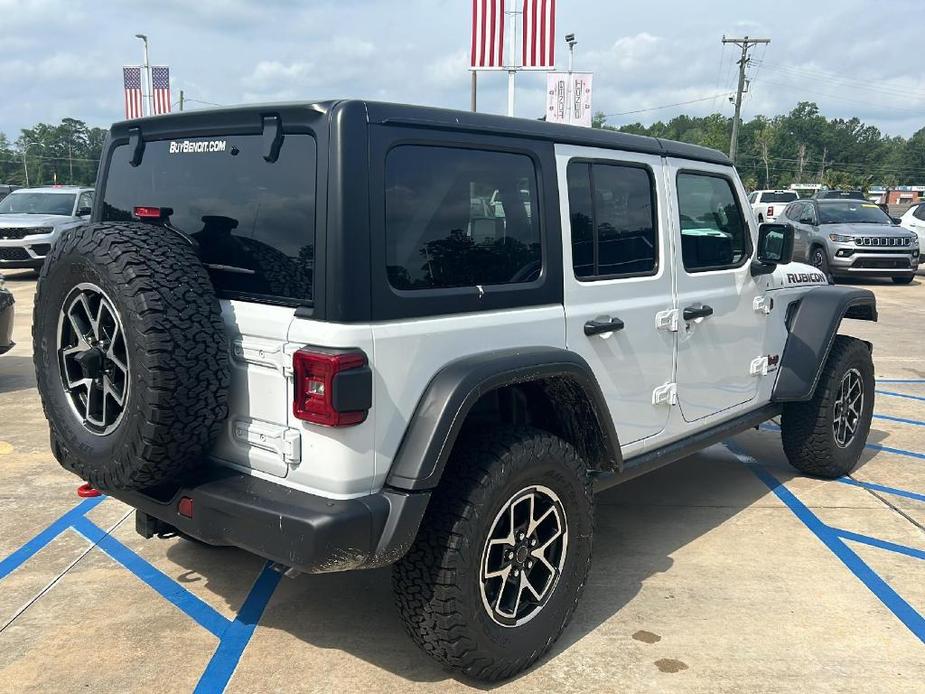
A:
{"x": 654, "y": 459}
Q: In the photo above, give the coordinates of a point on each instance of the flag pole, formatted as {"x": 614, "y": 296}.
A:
{"x": 512, "y": 68}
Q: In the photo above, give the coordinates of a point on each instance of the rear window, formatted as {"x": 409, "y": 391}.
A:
{"x": 460, "y": 218}
{"x": 778, "y": 197}
{"x": 253, "y": 220}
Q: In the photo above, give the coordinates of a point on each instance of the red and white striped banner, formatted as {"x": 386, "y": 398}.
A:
{"x": 160, "y": 88}
{"x": 131, "y": 87}
{"x": 487, "y": 35}
{"x": 539, "y": 34}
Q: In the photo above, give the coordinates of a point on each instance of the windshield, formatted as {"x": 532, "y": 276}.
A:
{"x": 38, "y": 203}
{"x": 852, "y": 213}
{"x": 253, "y": 221}
{"x": 778, "y": 197}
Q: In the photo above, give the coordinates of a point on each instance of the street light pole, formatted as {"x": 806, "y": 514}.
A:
{"x": 570, "y": 97}
{"x": 146, "y": 92}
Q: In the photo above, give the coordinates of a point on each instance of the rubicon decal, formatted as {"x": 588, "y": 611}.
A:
{"x": 191, "y": 147}
{"x": 806, "y": 278}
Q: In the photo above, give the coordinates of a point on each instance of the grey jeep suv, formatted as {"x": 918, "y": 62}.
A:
{"x": 850, "y": 238}
{"x": 32, "y": 219}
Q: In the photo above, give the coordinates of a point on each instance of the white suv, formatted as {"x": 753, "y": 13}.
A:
{"x": 344, "y": 335}
{"x": 32, "y": 219}
{"x": 769, "y": 204}
{"x": 914, "y": 220}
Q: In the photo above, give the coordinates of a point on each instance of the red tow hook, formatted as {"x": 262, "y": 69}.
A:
{"x": 85, "y": 491}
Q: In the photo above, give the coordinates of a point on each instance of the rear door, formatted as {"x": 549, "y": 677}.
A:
{"x": 253, "y": 222}
{"x": 721, "y": 331}
{"x": 618, "y": 279}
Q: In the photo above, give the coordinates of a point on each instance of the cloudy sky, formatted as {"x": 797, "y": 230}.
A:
{"x": 62, "y": 58}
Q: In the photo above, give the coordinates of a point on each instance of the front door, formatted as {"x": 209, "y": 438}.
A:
{"x": 618, "y": 276}
{"x": 720, "y": 331}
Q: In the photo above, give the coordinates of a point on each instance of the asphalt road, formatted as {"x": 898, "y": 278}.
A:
{"x": 725, "y": 572}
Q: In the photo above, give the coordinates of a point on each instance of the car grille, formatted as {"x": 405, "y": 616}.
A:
{"x": 23, "y": 232}
{"x": 13, "y": 254}
{"x": 883, "y": 241}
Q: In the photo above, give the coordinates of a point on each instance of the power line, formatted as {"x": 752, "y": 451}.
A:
{"x": 658, "y": 108}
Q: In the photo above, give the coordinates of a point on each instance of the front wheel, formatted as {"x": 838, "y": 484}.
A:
{"x": 502, "y": 555}
{"x": 820, "y": 260}
{"x": 825, "y": 436}
{"x": 903, "y": 279}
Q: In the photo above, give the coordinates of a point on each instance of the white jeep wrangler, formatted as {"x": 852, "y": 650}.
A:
{"x": 345, "y": 335}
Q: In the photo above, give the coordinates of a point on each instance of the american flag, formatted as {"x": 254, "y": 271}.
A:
{"x": 131, "y": 81}
{"x": 160, "y": 83}
{"x": 487, "y": 35}
{"x": 539, "y": 33}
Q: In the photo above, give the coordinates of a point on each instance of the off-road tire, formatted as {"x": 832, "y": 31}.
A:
{"x": 903, "y": 279}
{"x": 806, "y": 427}
{"x": 437, "y": 584}
{"x": 179, "y": 367}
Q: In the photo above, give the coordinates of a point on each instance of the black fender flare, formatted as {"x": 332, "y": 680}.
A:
{"x": 812, "y": 331}
{"x": 442, "y": 409}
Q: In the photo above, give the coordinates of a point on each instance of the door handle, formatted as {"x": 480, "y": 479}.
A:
{"x": 597, "y": 327}
{"x": 693, "y": 312}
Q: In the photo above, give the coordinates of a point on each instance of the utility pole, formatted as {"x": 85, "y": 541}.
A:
{"x": 802, "y": 160}
{"x": 181, "y": 100}
{"x": 745, "y": 43}
{"x": 147, "y": 95}
{"x": 825, "y": 153}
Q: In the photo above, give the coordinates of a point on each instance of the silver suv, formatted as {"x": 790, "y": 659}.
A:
{"x": 31, "y": 219}
{"x": 845, "y": 238}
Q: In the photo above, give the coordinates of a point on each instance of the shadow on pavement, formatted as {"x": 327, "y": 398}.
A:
{"x": 16, "y": 373}
{"x": 639, "y": 525}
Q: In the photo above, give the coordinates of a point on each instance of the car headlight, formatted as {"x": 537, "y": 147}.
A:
{"x": 841, "y": 238}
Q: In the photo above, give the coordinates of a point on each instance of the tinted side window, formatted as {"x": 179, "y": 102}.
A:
{"x": 460, "y": 217}
{"x": 613, "y": 220}
{"x": 714, "y": 234}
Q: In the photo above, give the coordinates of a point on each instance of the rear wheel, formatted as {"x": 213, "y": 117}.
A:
{"x": 903, "y": 279}
{"x": 825, "y": 436}
{"x": 502, "y": 555}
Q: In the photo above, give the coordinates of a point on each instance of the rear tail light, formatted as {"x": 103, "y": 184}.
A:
{"x": 148, "y": 212}
{"x": 331, "y": 388}
{"x": 770, "y": 211}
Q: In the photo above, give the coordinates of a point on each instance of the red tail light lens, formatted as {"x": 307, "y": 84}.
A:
{"x": 770, "y": 211}
{"x": 316, "y": 380}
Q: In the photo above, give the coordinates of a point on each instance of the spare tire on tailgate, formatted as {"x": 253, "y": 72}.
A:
{"x": 131, "y": 354}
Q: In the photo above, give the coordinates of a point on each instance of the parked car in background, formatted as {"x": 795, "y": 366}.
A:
{"x": 31, "y": 219}
{"x": 6, "y": 189}
{"x": 6, "y": 318}
{"x": 768, "y": 204}
{"x": 852, "y": 237}
{"x": 914, "y": 221}
{"x": 840, "y": 195}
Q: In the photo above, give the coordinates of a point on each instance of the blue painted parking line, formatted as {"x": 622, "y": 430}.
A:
{"x": 882, "y": 488}
{"x": 901, "y": 420}
{"x": 233, "y": 634}
{"x": 197, "y": 610}
{"x": 834, "y": 540}
{"x": 33, "y": 546}
{"x": 880, "y": 544}
{"x": 235, "y": 639}
{"x": 894, "y": 394}
{"x": 872, "y": 446}
{"x": 900, "y": 380}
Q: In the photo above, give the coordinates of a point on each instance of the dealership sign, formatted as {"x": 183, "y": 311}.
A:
{"x": 568, "y": 98}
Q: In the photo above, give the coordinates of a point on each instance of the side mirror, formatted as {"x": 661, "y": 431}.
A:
{"x": 84, "y": 211}
{"x": 896, "y": 220}
{"x": 775, "y": 247}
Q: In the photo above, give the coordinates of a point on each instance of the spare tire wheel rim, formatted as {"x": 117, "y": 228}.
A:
{"x": 93, "y": 359}
{"x": 848, "y": 407}
{"x": 523, "y": 556}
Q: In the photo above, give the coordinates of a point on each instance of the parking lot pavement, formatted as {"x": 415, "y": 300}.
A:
{"x": 723, "y": 572}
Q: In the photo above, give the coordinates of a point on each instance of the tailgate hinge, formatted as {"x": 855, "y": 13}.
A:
{"x": 264, "y": 353}
{"x": 666, "y": 394}
{"x": 669, "y": 320}
{"x": 763, "y": 304}
{"x": 286, "y": 443}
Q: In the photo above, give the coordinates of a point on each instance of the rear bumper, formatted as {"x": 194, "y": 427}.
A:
{"x": 309, "y": 533}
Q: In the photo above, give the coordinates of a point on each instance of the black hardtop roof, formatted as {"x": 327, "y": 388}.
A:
{"x": 429, "y": 117}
